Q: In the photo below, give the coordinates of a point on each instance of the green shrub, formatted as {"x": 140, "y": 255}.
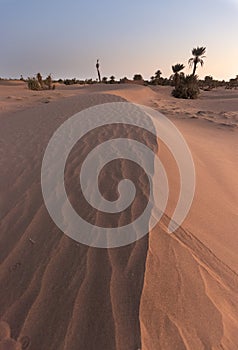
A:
{"x": 187, "y": 87}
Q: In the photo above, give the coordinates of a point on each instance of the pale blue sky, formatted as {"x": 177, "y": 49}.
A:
{"x": 65, "y": 37}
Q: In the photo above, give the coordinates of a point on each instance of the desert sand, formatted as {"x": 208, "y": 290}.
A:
{"x": 166, "y": 291}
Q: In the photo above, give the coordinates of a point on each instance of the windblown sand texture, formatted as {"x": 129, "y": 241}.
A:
{"x": 168, "y": 292}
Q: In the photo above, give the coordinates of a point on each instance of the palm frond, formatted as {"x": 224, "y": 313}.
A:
{"x": 201, "y": 62}
{"x": 178, "y": 67}
{"x": 190, "y": 62}
{"x": 198, "y": 51}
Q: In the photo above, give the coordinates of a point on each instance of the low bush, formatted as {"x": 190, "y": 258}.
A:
{"x": 187, "y": 87}
{"x": 39, "y": 84}
{"x": 33, "y": 84}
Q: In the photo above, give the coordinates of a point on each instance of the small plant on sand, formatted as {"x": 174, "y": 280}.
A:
{"x": 208, "y": 84}
{"x": 49, "y": 83}
{"x": 187, "y": 87}
{"x": 33, "y": 84}
{"x": 39, "y": 84}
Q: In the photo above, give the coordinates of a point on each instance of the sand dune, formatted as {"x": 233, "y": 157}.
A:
{"x": 189, "y": 298}
{"x": 162, "y": 292}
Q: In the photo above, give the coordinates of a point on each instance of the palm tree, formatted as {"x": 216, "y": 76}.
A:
{"x": 198, "y": 55}
{"x": 97, "y": 67}
{"x": 158, "y": 74}
{"x": 176, "y": 69}
{"x": 157, "y": 77}
{"x": 112, "y": 79}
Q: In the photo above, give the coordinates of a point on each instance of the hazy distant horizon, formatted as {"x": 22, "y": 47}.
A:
{"x": 135, "y": 37}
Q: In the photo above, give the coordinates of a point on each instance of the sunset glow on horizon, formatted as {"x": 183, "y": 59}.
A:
{"x": 66, "y": 38}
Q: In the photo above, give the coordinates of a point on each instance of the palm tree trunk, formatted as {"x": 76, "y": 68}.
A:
{"x": 99, "y": 75}
{"x": 177, "y": 79}
{"x": 194, "y": 67}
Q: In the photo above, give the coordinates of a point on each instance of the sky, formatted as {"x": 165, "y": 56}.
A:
{"x": 65, "y": 37}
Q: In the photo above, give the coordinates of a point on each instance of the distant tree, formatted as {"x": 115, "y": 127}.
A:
{"x": 233, "y": 83}
{"x": 112, "y": 79}
{"x": 89, "y": 81}
{"x": 97, "y": 67}
{"x": 124, "y": 80}
{"x": 176, "y": 69}
{"x": 157, "y": 77}
{"x": 208, "y": 82}
{"x": 158, "y": 74}
{"x": 198, "y": 55}
{"x": 208, "y": 79}
{"x": 138, "y": 77}
{"x": 104, "y": 80}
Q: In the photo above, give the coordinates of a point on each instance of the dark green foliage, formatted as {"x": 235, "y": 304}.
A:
{"x": 76, "y": 81}
{"x": 156, "y": 79}
{"x": 177, "y": 67}
{"x": 208, "y": 83}
{"x": 68, "y": 82}
{"x": 112, "y": 80}
{"x": 233, "y": 83}
{"x": 89, "y": 81}
{"x": 138, "y": 77}
{"x": 158, "y": 74}
{"x": 177, "y": 76}
{"x": 187, "y": 87}
{"x": 124, "y": 80}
